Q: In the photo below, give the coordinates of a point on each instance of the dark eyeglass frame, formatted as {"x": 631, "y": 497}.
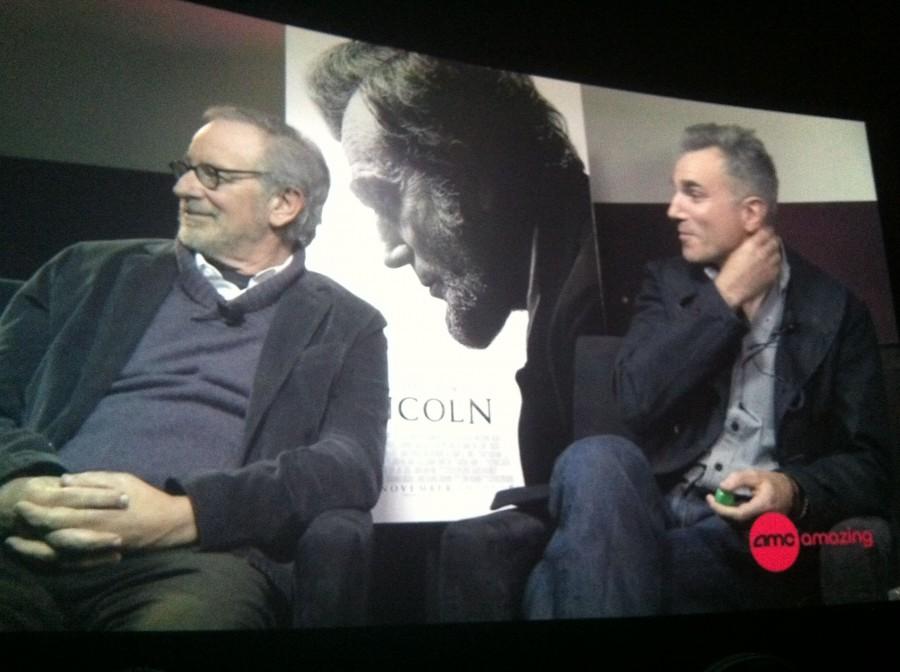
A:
{"x": 211, "y": 176}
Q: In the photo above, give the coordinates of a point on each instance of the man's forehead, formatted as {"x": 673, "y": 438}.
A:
{"x": 363, "y": 139}
{"x": 701, "y": 166}
{"x": 227, "y": 140}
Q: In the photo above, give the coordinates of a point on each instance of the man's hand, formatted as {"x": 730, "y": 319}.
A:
{"x": 64, "y": 547}
{"x": 750, "y": 271}
{"x": 772, "y": 491}
{"x": 69, "y": 549}
{"x": 151, "y": 519}
{"x": 49, "y": 491}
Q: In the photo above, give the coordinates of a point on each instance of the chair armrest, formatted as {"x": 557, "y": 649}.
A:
{"x": 332, "y": 570}
{"x": 853, "y": 573}
{"x": 530, "y": 498}
{"x": 485, "y": 563}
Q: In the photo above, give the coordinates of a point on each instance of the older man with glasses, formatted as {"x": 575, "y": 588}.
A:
{"x": 173, "y": 414}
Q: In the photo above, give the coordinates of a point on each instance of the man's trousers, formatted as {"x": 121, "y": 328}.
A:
{"x": 622, "y": 547}
{"x": 177, "y": 589}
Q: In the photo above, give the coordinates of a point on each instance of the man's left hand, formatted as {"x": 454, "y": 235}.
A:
{"x": 152, "y": 518}
{"x": 771, "y": 491}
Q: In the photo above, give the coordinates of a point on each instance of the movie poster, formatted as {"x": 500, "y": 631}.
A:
{"x": 452, "y": 435}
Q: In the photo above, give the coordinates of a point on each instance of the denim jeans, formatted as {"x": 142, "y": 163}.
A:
{"x": 624, "y": 548}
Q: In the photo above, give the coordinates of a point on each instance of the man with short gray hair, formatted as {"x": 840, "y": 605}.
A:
{"x": 175, "y": 414}
{"x": 751, "y": 382}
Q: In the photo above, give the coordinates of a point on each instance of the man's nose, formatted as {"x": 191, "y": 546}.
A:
{"x": 188, "y": 186}
{"x": 674, "y": 211}
{"x": 397, "y": 255}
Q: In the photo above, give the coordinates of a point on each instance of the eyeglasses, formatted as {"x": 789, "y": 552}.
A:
{"x": 210, "y": 176}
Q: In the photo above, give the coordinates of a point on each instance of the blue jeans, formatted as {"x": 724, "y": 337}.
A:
{"x": 623, "y": 548}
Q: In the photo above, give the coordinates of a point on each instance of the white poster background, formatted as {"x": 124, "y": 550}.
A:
{"x": 444, "y": 460}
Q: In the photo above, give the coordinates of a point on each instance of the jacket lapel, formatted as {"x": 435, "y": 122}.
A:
{"x": 685, "y": 288}
{"x": 139, "y": 289}
{"x": 300, "y": 314}
{"x": 809, "y": 325}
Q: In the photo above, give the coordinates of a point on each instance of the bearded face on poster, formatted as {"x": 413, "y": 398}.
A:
{"x": 461, "y": 165}
{"x": 475, "y": 184}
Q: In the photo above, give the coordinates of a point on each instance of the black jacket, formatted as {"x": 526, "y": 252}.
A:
{"x": 315, "y": 428}
{"x": 565, "y": 303}
{"x": 673, "y": 377}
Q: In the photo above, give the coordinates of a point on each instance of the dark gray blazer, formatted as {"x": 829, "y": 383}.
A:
{"x": 315, "y": 428}
{"x": 673, "y": 377}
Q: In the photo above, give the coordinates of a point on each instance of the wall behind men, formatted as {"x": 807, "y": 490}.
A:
{"x": 98, "y": 97}
{"x": 122, "y": 83}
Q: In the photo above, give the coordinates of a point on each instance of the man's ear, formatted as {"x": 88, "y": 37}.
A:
{"x": 754, "y": 211}
{"x": 285, "y": 207}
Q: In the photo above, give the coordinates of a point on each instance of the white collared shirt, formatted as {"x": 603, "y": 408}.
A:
{"x": 228, "y": 290}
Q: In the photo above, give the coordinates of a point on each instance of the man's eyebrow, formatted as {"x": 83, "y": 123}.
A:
{"x": 689, "y": 185}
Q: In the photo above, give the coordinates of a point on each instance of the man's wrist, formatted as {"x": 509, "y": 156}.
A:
{"x": 729, "y": 297}
{"x": 799, "y": 501}
{"x": 184, "y": 525}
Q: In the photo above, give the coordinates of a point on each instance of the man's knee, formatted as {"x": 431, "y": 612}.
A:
{"x": 596, "y": 473}
{"x": 189, "y": 611}
{"x": 195, "y": 591}
{"x": 593, "y": 459}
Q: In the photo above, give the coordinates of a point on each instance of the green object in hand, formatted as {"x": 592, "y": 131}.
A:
{"x": 724, "y": 497}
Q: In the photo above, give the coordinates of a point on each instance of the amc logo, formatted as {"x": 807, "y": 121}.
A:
{"x": 766, "y": 540}
{"x": 774, "y": 542}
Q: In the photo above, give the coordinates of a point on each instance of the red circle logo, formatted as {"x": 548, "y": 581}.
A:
{"x": 774, "y": 542}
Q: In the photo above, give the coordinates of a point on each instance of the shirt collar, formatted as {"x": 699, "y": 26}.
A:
{"x": 228, "y": 290}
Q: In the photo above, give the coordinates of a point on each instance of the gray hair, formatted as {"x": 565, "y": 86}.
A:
{"x": 291, "y": 161}
{"x": 746, "y": 158}
{"x": 447, "y": 115}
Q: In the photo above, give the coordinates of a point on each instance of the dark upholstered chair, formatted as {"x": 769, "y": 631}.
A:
{"x": 485, "y": 561}
{"x": 333, "y": 559}
{"x": 332, "y": 570}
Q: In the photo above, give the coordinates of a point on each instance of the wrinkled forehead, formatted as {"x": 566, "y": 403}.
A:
{"x": 364, "y": 141}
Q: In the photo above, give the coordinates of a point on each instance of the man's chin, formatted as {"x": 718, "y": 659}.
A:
{"x": 693, "y": 256}
{"x": 194, "y": 240}
{"x": 475, "y": 328}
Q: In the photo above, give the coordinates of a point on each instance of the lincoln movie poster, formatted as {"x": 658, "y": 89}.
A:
{"x": 452, "y": 434}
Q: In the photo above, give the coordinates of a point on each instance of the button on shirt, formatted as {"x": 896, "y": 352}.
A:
{"x": 748, "y": 437}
